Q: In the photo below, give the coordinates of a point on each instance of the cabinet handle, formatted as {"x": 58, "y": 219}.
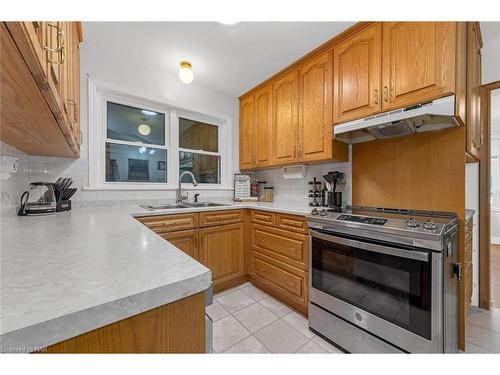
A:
{"x": 386, "y": 94}
{"x": 294, "y": 152}
{"x": 300, "y": 151}
{"x": 375, "y": 96}
{"x": 60, "y": 32}
{"x": 75, "y": 110}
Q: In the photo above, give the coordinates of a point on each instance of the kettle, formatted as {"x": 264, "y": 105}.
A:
{"x": 40, "y": 199}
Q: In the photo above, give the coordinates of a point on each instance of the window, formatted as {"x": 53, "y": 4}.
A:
{"x": 135, "y": 144}
{"x": 139, "y": 144}
{"x": 199, "y": 150}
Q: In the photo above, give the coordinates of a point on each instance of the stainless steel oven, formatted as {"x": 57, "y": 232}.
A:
{"x": 394, "y": 290}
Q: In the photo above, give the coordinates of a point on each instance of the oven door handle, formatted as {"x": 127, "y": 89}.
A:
{"x": 402, "y": 253}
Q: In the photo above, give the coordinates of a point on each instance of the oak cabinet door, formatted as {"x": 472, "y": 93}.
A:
{"x": 473, "y": 91}
{"x": 221, "y": 250}
{"x": 185, "y": 240}
{"x": 315, "y": 109}
{"x": 418, "y": 62}
{"x": 263, "y": 125}
{"x": 56, "y": 63}
{"x": 285, "y": 121}
{"x": 357, "y": 71}
{"x": 247, "y": 132}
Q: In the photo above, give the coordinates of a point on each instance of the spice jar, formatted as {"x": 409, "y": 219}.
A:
{"x": 268, "y": 193}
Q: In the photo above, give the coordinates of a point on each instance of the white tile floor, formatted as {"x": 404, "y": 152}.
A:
{"x": 247, "y": 320}
{"x": 483, "y": 331}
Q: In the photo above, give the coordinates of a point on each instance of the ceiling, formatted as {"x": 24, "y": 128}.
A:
{"x": 230, "y": 59}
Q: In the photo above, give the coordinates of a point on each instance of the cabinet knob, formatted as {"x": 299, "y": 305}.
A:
{"x": 386, "y": 93}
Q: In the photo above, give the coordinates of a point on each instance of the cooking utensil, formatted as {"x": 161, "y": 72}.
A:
{"x": 328, "y": 181}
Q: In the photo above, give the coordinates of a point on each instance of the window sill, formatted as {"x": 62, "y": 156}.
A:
{"x": 200, "y": 187}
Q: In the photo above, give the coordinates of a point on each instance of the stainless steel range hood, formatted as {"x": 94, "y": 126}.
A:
{"x": 436, "y": 115}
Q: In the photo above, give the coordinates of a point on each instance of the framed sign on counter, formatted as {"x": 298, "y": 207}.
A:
{"x": 242, "y": 183}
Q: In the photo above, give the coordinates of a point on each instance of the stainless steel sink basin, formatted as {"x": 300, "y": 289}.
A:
{"x": 206, "y": 204}
{"x": 154, "y": 207}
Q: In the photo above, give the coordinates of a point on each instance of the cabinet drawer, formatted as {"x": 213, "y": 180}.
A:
{"x": 293, "y": 281}
{"x": 209, "y": 219}
{"x": 287, "y": 282}
{"x": 170, "y": 223}
{"x": 262, "y": 217}
{"x": 291, "y": 222}
{"x": 282, "y": 245}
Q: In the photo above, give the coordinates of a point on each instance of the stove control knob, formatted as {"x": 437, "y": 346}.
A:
{"x": 412, "y": 223}
{"x": 429, "y": 225}
{"x": 322, "y": 212}
{"x": 314, "y": 211}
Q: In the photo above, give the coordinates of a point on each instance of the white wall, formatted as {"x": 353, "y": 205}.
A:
{"x": 133, "y": 78}
{"x": 495, "y": 132}
{"x": 490, "y": 55}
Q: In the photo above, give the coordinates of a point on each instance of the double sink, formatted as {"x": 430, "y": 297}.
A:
{"x": 155, "y": 207}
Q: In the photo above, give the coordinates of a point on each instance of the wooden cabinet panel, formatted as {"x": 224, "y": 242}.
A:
{"x": 418, "y": 62}
{"x": 221, "y": 250}
{"x": 315, "y": 109}
{"x": 51, "y": 52}
{"x": 285, "y": 121}
{"x": 246, "y": 132}
{"x": 170, "y": 223}
{"x": 291, "y": 222}
{"x": 263, "y": 126}
{"x": 474, "y": 130}
{"x": 26, "y": 120}
{"x": 262, "y": 217}
{"x": 292, "y": 248}
{"x": 357, "y": 69}
{"x": 285, "y": 282}
{"x": 178, "y": 327}
{"x": 186, "y": 240}
{"x": 212, "y": 218}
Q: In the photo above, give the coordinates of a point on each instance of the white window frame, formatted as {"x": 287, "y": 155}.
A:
{"x": 100, "y": 93}
{"x": 220, "y": 133}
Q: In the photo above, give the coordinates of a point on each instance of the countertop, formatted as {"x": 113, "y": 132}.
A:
{"x": 69, "y": 273}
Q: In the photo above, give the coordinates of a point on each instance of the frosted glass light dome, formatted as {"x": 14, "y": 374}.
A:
{"x": 186, "y": 72}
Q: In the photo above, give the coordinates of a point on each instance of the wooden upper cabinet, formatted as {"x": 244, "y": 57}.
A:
{"x": 474, "y": 130}
{"x": 51, "y": 52}
{"x": 285, "y": 121}
{"x": 357, "y": 69}
{"x": 263, "y": 126}
{"x": 418, "y": 62}
{"x": 315, "y": 109}
{"x": 246, "y": 132}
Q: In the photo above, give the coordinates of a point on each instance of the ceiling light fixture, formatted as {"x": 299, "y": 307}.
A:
{"x": 186, "y": 72}
{"x": 144, "y": 129}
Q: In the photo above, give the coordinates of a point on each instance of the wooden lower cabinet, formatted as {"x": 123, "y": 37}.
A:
{"x": 186, "y": 240}
{"x": 285, "y": 282}
{"x": 221, "y": 249}
{"x": 178, "y": 327}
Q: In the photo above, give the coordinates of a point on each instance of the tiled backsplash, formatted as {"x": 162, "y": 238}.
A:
{"x": 297, "y": 190}
{"x": 41, "y": 168}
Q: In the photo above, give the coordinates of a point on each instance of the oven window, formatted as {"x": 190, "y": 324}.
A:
{"x": 393, "y": 288}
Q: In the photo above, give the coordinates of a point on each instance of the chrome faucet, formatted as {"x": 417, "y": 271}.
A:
{"x": 179, "y": 196}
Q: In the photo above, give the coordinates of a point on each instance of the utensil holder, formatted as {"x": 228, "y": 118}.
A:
{"x": 335, "y": 199}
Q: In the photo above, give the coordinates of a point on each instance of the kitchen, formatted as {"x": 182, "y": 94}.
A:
{"x": 164, "y": 202}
